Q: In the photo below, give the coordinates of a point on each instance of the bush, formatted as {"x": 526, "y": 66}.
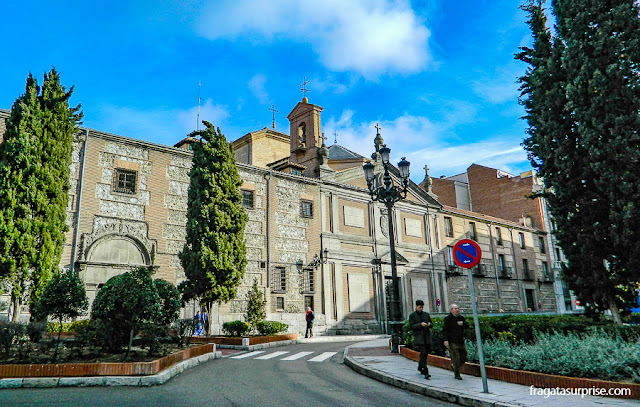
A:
{"x": 236, "y": 328}
{"x": 124, "y": 305}
{"x": 271, "y": 327}
{"x": 255, "y": 306}
{"x": 35, "y": 331}
{"x": 10, "y": 333}
{"x": 517, "y": 328}
{"x": 597, "y": 354}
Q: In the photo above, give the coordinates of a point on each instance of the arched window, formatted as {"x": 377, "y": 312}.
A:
{"x": 302, "y": 135}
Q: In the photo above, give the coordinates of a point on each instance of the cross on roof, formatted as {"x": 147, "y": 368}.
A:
{"x": 378, "y": 128}
{"x": 273, "y": 115}
{"x": 323, "y": 138}
{"x": 303, "y": 87}
{"x": 335, "y": 135}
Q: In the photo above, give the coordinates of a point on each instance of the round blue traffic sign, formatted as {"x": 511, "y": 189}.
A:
{"x": 467, "y": 253}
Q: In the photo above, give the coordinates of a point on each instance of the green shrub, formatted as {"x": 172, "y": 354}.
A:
{"x": 54, "y": 327}
{"x": 255, "y": 306}
{"x": 517, "y": 328}
{"x": 236, "y": 328}
{"x": 271, "y": 327}
{"x": 35, "y": 330}
{"x": 10, "y": 333}
{"x": 596, "y": 354}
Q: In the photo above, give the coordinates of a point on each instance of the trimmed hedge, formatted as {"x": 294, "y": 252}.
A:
{"x": 236, "y": 328}
{"x": 271, "y": 327}
{"x": 522, "y": 328}
{"x": 53, "y": 327}
{"x": 596, "y": 354}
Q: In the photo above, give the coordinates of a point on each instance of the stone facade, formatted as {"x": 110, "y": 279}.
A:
{"x": 128, "y": 205}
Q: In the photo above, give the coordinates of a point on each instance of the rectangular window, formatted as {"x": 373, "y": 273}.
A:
{"x": 308, "y": 302}
{"x": 541, "y": 244}
{"x": 503, "y": 268}
{"x": 545, "y": 270}
{"x": 309, "y": 281}
{"x": 448, "y": 226}
{"x": 522, "y": 245}
{"x": 279, "y": 279}
{"x": 525, "y": 269}
{"x": 498, "y": 236}
{"x": 279, "y": 303}
{"x": 472, "y": 230}
{"x": 306, "y": 209}
{"x": 296, "y": 171}
{"x": 125, "y": 181}
{"x": 247, "y": 198}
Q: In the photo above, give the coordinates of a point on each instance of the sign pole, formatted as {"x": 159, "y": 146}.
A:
{"x": 467, "y": 254}
{"x": 476, "y": 324}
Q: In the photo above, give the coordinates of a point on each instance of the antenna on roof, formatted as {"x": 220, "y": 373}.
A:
{"x": 198, "y": 114}
{"x": 273, "y": 115}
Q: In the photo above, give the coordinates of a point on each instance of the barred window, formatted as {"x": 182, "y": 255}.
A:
{"x": 448, "y": 226}
{"x": 247, "y": 198}
{"x": 309, "y": 280}
{"x": 279, "y": 279}
{"x": 306, "y": 209}
{"x": 124, "y": 181}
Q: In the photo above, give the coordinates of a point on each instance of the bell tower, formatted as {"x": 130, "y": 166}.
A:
{"x": 306, "y": 133}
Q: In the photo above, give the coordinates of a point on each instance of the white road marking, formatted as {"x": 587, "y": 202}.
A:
{"x": 247, "y": 355}
{"x": 321, "y": 357}
{"x": 272, "y": 355}
{"x": 297, "y": 356}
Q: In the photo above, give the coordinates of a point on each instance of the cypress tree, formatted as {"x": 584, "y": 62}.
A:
{"x": 214, "y": 255}
{"x": 582, "y": 100}
{"x": 34, "y": 182}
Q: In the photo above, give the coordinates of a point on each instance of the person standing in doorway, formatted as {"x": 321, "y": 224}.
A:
{"x": 420, "y": 323}
{"x": 309, "y": 316}
{"x": 453, "y": 333}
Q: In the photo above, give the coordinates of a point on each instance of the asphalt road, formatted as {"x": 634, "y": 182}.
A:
{"x": 242, "y": 382}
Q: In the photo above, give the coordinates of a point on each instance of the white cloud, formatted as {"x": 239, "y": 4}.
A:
{"x": 256, "y": 85}
{"x": 370, "y": 37}
{"x": 158, "y": 126}
{"x": 424, "y": 142}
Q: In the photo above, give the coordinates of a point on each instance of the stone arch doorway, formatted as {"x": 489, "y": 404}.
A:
{"x": 110, "y": 256}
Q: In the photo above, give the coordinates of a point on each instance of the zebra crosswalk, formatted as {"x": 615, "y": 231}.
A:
{"x": 262, "y": 355}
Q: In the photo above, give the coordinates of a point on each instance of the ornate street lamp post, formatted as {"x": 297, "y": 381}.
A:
{"x": 389, "y": 193}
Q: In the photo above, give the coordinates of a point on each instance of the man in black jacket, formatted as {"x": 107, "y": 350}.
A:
{"x": 420, "y": 323}
{"x": 453, "y": 333}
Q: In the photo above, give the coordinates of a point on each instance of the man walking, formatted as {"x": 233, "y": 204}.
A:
{"x": 309, "y": 317}
{"x": 453, "y": 333}
{"x": 420, "y": 323}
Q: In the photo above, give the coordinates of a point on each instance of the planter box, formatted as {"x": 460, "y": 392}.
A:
{"x": 238, "y": 341}
{"x": 103, "y": 369}
{"x": 526, "y": 377}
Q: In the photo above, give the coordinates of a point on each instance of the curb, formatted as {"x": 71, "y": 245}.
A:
{"x": 420, "y": 388}
{"x": 143, "y": 381}
{"x": 331, "y": 338}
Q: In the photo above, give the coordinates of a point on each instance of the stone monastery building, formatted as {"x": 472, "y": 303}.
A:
{"x": 128, "y": 205}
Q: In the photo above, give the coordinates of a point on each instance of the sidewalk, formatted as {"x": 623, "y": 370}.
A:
{"x": 373, "y": 359}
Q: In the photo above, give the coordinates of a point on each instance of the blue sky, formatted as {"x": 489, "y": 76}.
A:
{"x": 438, "y": 75}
